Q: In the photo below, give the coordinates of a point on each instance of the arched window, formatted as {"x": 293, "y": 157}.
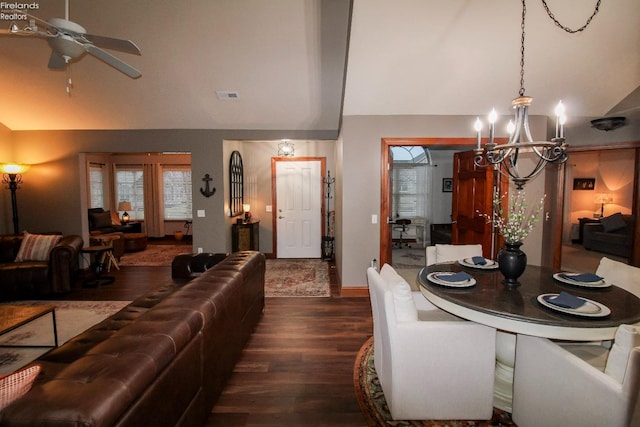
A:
{"x": 236, "y": 184}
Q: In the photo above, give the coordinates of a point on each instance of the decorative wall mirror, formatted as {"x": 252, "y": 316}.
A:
{"x": 236, "y": 184}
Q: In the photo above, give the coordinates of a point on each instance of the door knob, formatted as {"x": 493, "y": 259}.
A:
{"x": 280, "y": 217}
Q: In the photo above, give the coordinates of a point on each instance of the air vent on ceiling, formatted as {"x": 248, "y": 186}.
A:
{"x": 223, "y": 94}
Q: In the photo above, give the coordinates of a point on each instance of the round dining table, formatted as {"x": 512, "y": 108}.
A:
{"x": 517, "y": 310}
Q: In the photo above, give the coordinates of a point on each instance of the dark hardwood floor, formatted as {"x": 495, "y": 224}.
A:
{"x": 297, "y": 368}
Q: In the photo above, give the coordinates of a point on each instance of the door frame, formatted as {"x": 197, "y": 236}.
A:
{"x": 274, "y": 195}
{"x": 386, "y": 243}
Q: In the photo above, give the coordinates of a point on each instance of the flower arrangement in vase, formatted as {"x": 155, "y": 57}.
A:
{"x": 514, "y": 226}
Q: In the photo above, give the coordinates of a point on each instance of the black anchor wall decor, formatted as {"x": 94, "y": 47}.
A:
{"x": 206, "y": 191}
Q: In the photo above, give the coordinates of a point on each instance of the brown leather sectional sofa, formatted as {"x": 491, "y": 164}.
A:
{"x": 161, "y": 361}
{"x": 37, "y": 279}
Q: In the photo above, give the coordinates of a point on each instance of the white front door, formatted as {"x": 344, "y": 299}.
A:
{"x": 298, "y": 209}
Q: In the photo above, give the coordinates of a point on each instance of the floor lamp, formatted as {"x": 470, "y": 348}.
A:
{"x": 12, "y": 175}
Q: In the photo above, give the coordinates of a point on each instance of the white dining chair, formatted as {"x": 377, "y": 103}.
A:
{"x": 620, "y": 274}
{"x": 554, "y": 387}
{"x": 448, "y": 253}
{"x": 431, "y": 364}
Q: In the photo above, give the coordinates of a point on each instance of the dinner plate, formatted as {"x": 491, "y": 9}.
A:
{"x": 589, "y": 309}
{"x": 599, "y": 284}
{"x": 463, "y": 284}
{"x": 468, "y": 262}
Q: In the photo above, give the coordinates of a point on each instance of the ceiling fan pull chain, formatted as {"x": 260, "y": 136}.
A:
{"x": 69, "y": 81}
{"x": 567, "y": 29}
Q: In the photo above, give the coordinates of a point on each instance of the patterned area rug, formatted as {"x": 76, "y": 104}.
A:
{"x": 297, "y": 278}
{"x": 154, "y": 255}
{"x": 72, "y": 318}
{"x": 375, "y": 409}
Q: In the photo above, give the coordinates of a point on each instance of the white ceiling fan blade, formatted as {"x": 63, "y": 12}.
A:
{"x": 121, "y": 45}
{"x": 113, "y": 61}
{"x": 56, "y": 62}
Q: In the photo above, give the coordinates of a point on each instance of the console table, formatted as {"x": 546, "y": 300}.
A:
{"x": 245, "y": 236}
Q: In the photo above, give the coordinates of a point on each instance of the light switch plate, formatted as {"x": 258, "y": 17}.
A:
{"x": 200, "y": 213}
{"x": 374, "y": 219}
{"x": 269, "y": 208}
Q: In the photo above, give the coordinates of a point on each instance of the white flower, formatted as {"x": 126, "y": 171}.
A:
{"x": 519, "y": 221}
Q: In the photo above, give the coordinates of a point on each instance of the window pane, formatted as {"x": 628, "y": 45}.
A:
{"x": 96, "y": 186}
{"x": 176, "y": 183}
{"x": 130, "y": 187}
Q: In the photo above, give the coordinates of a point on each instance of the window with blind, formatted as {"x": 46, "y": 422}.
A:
{"x": 130, "y": 187}
{"x": 409, "y": 190}
{"x": 96, "y": 185}
{"x": 176, "y": 183}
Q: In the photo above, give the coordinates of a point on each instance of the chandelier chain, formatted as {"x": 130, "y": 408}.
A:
{"x": 567, "y": 29}
{"x": 524, "y": 13}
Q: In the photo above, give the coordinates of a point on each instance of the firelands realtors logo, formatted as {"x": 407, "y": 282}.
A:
{"x": 14, "y": 11}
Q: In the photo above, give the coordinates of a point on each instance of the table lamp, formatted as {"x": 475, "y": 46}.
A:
{"x": 125, "y": 206}
{"x": 246, "y": 208}
{"x": 603, "y": 199}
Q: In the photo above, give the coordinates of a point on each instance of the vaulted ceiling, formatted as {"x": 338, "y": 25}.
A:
{"x": 297, "y": 65}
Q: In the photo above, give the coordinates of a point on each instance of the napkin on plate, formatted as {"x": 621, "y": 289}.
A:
{"x": 566, "y": 300}
{"x": 479, "y": 260}
{"x": 584, "y": 277}
{"x": 455, "y": 277}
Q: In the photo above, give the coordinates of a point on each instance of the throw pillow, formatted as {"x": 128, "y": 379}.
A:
{"x": 16, "y": 385}
{"x": 115, "y": 219}
{"x": 627, "y": 337}
{"x": 613, "y": 223}
{"x": 37, "y": 247}
{"x": 102, "y": 219}
{"x": 403, "y": 303}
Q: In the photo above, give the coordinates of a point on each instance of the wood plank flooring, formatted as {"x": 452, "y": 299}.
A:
{"x": 297, "y": 368}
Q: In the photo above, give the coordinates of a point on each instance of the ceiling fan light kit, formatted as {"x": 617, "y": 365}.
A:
{"x": 69, "y": 41}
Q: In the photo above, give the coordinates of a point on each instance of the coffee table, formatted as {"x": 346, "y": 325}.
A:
{"x": 15, "y": 316}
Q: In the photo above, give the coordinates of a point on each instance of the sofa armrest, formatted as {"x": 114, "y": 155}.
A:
{"x": 63, "y": 263}
{"x": 588, "y": 234}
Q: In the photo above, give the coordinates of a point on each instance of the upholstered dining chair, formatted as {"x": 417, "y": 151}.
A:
{"x": 448, "y": 253}
{"x": 431, "y": 364}
{"x": 620, "y": 274}
{"x": 554, "y": 387}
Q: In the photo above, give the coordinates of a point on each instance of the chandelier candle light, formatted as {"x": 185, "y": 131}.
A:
{"x": 504, "y": 157}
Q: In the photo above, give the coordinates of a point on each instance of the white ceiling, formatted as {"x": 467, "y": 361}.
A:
{"x": 285, "y": 58}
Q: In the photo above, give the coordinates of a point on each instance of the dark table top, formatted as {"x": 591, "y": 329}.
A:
{"x": 517, "y": 309}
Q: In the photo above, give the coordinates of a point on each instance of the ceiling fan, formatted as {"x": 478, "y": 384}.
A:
{"x": 70, "y": 42}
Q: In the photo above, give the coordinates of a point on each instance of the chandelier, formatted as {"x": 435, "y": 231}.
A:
{"x": 504, "y": 157}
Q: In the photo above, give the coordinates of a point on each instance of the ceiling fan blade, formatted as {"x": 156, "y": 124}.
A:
{"x": 113, "y": 61}
{"x": 121, "y": 45}
{"x": 56, "y": 62}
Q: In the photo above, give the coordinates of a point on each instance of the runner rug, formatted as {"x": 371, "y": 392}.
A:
{"x": 375, "y": 409}
{"x": 154, "y": 255}
{"x": 72, "y": 318}
{"x": 297, "y": 278}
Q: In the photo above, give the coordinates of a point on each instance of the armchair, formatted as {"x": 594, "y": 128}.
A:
{"x": 553, "y": 386}
{"x": 431, "y": 364}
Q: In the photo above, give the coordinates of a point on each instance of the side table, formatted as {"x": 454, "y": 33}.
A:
{"x": 97, "y": 255}
{"x": 582, "y": 222}
{"x": 245, "y": 236}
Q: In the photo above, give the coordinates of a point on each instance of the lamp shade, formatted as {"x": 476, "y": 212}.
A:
{"x": 124, "y": 206}
{"x": 13, "y": 168}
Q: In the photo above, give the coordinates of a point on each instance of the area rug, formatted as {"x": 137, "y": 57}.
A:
{"x": 297, "y": 278}
{"x": 72, "y": 318}
{"x": 408, "y": 257}
{"x": 154, "y": 255}
{"x": 374, "y": 406}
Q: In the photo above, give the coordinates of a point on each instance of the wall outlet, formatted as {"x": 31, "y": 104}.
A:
{"x": 199, "y": 250}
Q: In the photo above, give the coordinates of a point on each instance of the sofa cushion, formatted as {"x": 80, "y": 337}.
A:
{"x": 17, "y": 384}
{"x": 37, "y": 247}
{"x": 403, "y": 303}
{"x": 613, "y": 223}
{"x": 627, "y": 337}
